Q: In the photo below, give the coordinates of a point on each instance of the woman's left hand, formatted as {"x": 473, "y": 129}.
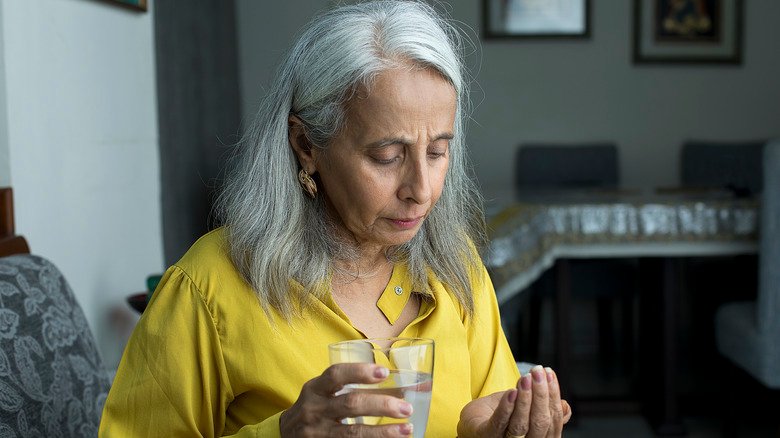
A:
{"x": 532, "y": 410}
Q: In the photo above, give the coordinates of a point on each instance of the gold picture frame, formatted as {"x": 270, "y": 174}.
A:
{"x": 688, "y": 31}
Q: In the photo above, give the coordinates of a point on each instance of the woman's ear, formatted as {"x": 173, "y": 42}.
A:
{"x": 296, "y": 132}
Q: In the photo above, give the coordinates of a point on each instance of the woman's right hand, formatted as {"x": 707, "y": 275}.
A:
{"x": 319, "y": 411}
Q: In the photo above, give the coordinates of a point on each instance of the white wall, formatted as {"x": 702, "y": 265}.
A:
{"x": 5, "y": 165}
{"x": 576, "y": 90}
{"x": 81, "y": 119}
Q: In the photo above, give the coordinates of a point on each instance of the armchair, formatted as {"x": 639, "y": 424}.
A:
{"x": 748, "y": 333}
{"x": 52, "y": 379}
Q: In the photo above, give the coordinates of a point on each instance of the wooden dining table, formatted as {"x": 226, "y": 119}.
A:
{"x": 530, "y": 232}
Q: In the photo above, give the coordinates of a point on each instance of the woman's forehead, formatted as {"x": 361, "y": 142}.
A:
{"x": 402, "y": 100}
{"x": 403, "y": 88}
{"x": 364, "y": 87}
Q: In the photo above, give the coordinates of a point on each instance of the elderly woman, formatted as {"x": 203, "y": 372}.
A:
{"x": 349, "y": 214}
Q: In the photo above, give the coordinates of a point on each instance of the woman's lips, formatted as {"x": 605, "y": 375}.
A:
{"x": 407, "y": 223}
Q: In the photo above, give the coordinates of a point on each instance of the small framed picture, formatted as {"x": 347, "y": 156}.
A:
{"x": 688, "y": 31}
{"x": 507, "y": 19}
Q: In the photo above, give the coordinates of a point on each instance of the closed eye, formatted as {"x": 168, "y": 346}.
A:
{"x": 439, "y": 148}
{"x": 385, "y": 160}
{"x": 387, "y": 153}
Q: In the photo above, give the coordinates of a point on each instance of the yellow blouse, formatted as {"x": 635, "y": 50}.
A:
{"x": 205, "y": 360}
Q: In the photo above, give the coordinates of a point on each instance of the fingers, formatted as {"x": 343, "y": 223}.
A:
{"x": 500, "y": 419}
{"x": 336, "y": 376}
{"x": 384, "y": 431}
{"x": 357, "y": 403}
{"x": 556, "y": 407}
{"x": 540, "y": 406}
{"x": 329, "y": 398}
{"x": 519, "y": 423}
{"x": 354, "y": 402}
{"x": 566, "y": 411}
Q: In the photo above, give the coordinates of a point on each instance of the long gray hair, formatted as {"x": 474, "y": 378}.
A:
{"x": 277, "y": 235}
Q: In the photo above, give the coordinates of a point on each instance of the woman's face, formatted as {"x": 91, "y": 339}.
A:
{"x": 382, "y": 174}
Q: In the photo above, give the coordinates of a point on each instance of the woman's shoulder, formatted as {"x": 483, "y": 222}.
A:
{"x": 209, "y": 250}
{"x": 479, "y": 285}
{"x": 208, "y": 263}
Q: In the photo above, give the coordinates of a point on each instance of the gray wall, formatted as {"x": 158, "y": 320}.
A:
{"x": 574, "y": 90}
{"x": 199, "y": 112}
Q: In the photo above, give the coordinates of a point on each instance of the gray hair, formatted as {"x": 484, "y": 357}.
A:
{"x": 277, "y": 235}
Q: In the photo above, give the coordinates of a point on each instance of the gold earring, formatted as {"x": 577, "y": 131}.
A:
{"x": 307, "y": 183}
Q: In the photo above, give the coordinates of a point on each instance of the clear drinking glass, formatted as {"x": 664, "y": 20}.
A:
{"x": 410, "y": 361}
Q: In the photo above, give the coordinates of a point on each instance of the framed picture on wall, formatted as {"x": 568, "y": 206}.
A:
{"x": 508, "y": 19}
{"x": 688, "y": 31}
{"x": 138, "y": 5}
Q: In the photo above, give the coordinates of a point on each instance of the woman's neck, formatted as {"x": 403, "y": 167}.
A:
{"x": 368, "y": 264}
{"x": 360, "y": 259}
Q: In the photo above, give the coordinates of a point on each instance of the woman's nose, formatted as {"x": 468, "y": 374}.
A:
{"x": 416, "y": 185}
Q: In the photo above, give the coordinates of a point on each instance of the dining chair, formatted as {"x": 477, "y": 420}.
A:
{"x": 724, "y": 165}
{"x": 552, "y": 166}
{"x": 606, "y": 281}
{"x": 748, "y": 333}
{"x": 735, "y": 166}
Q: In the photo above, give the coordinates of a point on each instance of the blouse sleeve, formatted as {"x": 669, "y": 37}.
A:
{"x": 493, "y": 368}
{"x": 172, "y": 380}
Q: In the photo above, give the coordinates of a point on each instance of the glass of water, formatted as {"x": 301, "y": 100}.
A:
{"x": 410, "y": 361}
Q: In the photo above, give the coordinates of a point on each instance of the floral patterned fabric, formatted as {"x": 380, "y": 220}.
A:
{"x": 52, "y": 381}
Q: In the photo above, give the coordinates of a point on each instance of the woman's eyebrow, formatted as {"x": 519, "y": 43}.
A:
{"x": 389, "y": 141}
{"x": 443, "y": 136}
{"x": 405, "y": 141}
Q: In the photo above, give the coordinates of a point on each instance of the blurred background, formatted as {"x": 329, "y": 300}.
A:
{"x": 115, "y": 122}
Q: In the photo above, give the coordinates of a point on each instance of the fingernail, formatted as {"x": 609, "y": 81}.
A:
{"x": 525, "y": 383}
{"x": 512, "y": 396}
{"x": 381, "y": 372}
{"x": 549, "y": 374}
{"x": 405, "y": 429}
{"x": 405, "y": 408}
{"x": 538, "y": 373}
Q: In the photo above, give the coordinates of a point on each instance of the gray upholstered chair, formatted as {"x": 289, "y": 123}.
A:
{"x": 748, "y": 333}
{"x": 52, "y": 380}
